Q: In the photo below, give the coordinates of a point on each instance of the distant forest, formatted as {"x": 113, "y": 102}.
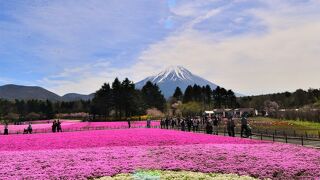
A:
{"x": 298, "y": 99}
{"x": 121, "y": 99}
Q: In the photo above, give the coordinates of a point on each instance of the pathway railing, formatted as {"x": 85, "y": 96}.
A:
{"x": 258, "y": 134}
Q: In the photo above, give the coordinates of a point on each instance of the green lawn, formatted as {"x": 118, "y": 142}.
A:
{"x": 289, "y": 126}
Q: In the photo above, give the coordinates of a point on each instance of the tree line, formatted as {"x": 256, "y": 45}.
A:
{"x": 211, "y": 98}
{"x": 286, "y": 100}
{"x": 22, "y": 110}
{"x": 122, "y": 99}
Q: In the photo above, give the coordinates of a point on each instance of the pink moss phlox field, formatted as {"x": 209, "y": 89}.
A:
{"x": 71, "y": 125}
{"x": 82, "y": 155}
{"x": 109, "y": 138}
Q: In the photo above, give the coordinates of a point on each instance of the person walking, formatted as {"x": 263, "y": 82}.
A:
{"x": 30, "y": 128}
{"x": 244, "y": 124}
{"x": 189, "y": 124}
{"x": 209, "y": 126}
{"x": 6, "y": 130}
{"x": 183, "y": 128}
{"x": 167, "y": 122}
{"x": 215, "y": 125}
{"x": 54, "y": 126}
{"x": 161, "y": 123}
{"x": 148, "y": 123}
{"x": 59, "y": 128}
{"x": 198, "y": 123}
{"x": 194, "y": 124}
{"x": 173, "y": 123}
{"x": 129, "y": 123}
{"x": 231, "y": 126}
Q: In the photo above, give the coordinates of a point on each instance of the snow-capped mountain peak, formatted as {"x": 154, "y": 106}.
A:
{"x": 172, "y": 77}
{"x": 174, "y": 73}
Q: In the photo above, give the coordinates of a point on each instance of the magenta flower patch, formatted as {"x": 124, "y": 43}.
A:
{"x": 89, "y": 154}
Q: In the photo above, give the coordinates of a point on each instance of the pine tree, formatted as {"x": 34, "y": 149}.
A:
{"x": 217, "y": 97}
{"x": 127, "y": 96}
{"x": 153, "y": 96}
{"x": 208, "y": 95}
{"x": 188, "y": 94}
{"x": 178, "y": 94}
{"x": 116, "y": 97}
{"x": 102, "y": 101}
{"x": 231, "y": 99}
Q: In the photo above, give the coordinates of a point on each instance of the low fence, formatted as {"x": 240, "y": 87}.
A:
{"x": 292, "y": 114}
{"x": 282, "y": 136}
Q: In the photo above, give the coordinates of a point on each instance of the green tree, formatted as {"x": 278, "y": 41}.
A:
{"x": 231, "y": 99}
{"x": 208, "y": 95}
{"x": 178, "y": 95}
{"x": 188, "y": 94}
{"x": 49, "y": 110}
{"x": 127, "y": 96}
{"x": 217, "y": 96}
{"x": 191, "y": 109}
{"x": 116, "y": 97}
{"x": 153, "y": 97}
{"x": 102, "y": 101}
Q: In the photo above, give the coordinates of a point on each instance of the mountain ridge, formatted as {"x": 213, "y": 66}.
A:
{"x": 21, "y": 92}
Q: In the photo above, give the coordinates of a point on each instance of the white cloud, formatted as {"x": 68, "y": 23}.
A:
{"x": 284, "y": 56}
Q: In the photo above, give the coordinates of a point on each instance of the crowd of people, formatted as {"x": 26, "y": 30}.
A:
{"x": 210, "y": 124}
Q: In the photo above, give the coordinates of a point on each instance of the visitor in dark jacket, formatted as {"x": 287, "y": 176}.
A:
{"x": 54, "y": 126}
{"x": 6, "y": 130}
{"x": 183, "y": 128}
{"x": 209, "y": 126}
{"x": 244, "y": 124}
{"x": 59, "y": 128}
{"x": 231, "y": 126}
{"x": 215, "y": 125}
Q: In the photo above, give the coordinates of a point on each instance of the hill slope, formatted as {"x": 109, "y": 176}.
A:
{"x": 76, "y": 97}
{"x": 12, "y": 92}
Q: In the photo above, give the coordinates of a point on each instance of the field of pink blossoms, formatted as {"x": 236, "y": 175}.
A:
{"x": 73, "y": 125}
{"x": 90, "y": 154}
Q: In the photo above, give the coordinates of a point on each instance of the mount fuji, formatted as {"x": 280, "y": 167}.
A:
{"x": 173, "y": 77}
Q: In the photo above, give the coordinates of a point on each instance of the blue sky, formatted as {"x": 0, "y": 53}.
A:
{"x": 76, "y": 45}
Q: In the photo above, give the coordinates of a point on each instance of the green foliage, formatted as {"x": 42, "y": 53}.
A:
{"x": 217, "y": 98}
{"x": 285, "y": 100}
{"x": 153, "y": 97}
{"x": 123, "y": 100}
{"x": 188, "y": 94}
{"x": 178, "y": 95}
{"x": 191, "y": 109}
{"x": 317, "y": 103}
{"x": 102, "y": 101}
{"x": 36, "y": 109}
{"x": 280, "y": 125}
